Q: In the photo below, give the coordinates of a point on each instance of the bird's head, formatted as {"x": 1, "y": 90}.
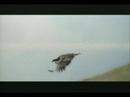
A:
{"x": 55, "y": 59}
{"x": 52, "y": 60}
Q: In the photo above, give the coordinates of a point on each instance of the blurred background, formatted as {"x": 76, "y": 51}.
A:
{"x": 28, "y": 44}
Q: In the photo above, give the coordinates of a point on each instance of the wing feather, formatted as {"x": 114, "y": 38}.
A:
{"x": 64, "y": 61}
{"x": 61, "y": 66}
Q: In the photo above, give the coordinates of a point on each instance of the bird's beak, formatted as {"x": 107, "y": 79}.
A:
{"x": 76, "y": 54}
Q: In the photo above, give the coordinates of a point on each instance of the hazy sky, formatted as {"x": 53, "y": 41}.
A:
{"x": 59, "y": 34}
{"x": 64, "y": 29}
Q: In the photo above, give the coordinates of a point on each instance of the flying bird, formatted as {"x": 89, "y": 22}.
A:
{"x": 63, "y": 61}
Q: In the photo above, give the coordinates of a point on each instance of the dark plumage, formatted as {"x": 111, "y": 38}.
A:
{"x": 63, "y": 60}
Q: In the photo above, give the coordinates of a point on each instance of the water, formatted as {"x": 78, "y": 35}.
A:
{"x": 32, "y": 64}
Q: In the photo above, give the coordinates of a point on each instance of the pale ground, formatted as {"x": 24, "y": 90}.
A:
{"x": 118, "y": 74}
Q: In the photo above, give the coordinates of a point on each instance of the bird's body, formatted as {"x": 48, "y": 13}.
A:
{"x": 63, "y": 60}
